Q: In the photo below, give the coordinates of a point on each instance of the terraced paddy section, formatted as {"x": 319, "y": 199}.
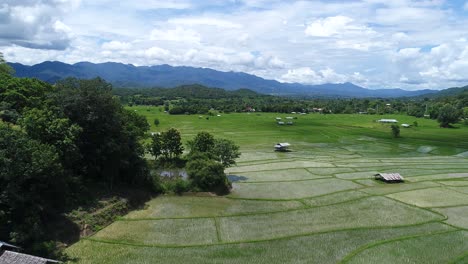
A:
{"x": 457, "y": 216}
{"x": 280, "y": 165}
{"x": 278, "y": 175}
{"x": 162, "y": 232}
{"x": 368, "y": 212}
{"x": 193, "y": 206}
{"x": 318, "y": 203}
{"x": 290, "y": 190}
{"x": 431, "y": 249}
{"x": 313, "y": 248}
{"x": 432, "y": 197}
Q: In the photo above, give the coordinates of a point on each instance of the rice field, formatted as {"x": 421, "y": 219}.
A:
{"x": 318, "y": 203}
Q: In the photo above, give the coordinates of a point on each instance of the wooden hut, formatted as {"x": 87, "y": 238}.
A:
{"x": 389, "y": 177}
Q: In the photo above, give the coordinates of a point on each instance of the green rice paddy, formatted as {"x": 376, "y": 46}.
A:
{"x": 318, "y": 203}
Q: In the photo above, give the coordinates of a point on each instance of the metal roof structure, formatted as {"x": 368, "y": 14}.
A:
{"x": 389, "y": 177}
{"x": 10, "y": 257}
{"x": 4, "y": 245}
{"x": 282, "y": 146}
{"x": 387, "y": 121}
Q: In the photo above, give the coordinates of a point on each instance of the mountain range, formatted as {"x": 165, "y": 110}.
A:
{"x": 127, "y": 75}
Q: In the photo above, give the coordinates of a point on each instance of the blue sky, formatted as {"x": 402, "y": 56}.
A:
{"x": 405, "y": 44}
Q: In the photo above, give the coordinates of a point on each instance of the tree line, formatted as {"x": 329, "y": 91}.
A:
{"x": 196, "y": 99}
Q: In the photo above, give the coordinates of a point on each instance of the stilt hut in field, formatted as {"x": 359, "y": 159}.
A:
{"x": 389, "y": 177}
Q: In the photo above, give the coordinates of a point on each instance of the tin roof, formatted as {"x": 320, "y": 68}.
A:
{"x": 11, "y": 257}
{"x": 390, "y": 176}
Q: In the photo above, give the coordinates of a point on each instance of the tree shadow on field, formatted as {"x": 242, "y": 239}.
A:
{"x": 236, "y": 178}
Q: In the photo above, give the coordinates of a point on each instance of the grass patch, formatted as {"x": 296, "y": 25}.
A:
{"x": 279, "y": 165}
{"x": 335, "y": 198}
{"x": 387, "y": 188}
{"x": 280, "y": 175}
{"x": 193, "y": 206}
{"x": 290, "y": 190}
{"x": 454, "y": 183}
{"x": 432, "y": 197}
{"x": 370, "y": 212}
{"x": 162, "y": 232}
{"x": 457, "y": 216}
{"x": 438, "y": 248}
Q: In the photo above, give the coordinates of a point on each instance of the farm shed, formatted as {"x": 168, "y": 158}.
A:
{"x": 387, "y": 121}
{"x": 406, "y": 125}
{"x": 280, "y": 123}
{"x": 282, "y": 146}
{"x": 389, "y": 177}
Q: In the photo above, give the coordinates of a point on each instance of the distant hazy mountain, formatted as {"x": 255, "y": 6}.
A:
{"x": 125, "y": 75}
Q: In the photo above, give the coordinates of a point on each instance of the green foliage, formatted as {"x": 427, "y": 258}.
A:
{"x": 33, "y": 187}
{"x": 171, "y": 144}
{"x": 226, "y": 152}
{"x": 156, "y": 122}
{"x": 465, "y": 112}
{"x": 448, "y": 115}
{"x": 5, "y": 69}
{"x": 204, "y": 145}
{"x": 109, "y": 141}
{"x": 415, "y": 124}
{"x": 64, "y": 141}
{"x": 395, "y": 131}
{"x": 181, "y": 186}
{"x": 208, "y": 175}
{"x": 203, "y": 142}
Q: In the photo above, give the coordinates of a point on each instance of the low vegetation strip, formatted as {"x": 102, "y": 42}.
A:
{"x": 192, "y": 206}
{"x": 162, "y": 232}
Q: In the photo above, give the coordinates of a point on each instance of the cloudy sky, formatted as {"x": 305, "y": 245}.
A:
{"x": 405, "y": 44}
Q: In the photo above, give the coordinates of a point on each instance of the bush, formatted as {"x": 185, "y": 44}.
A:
{"x": 181, "y": 186}
{"x": 208, "y": 175}
{"x": 395, "y": 131}
{"x": 156, "y": 122}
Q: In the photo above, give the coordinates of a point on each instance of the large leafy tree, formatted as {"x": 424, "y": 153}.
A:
{"x": 33, "y": 187}
{"x": 109, "y": 140}
{"x": 202, "y": 142}
{"x": 448, "y": 115}
{"x": 171, "y": 144}
{"x": 226, "y": 151}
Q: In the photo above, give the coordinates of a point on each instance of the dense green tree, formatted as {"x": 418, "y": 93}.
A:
{"x": 155, "y": 146}
{"x": 448, "y": 115}
{"x": 171, "y": 144}
{"x": 202, "y": 142}
{"x": 108, "y": 144}
{"x": 208, "y": 175}
{"x": 226, "y": 151}
{"x": 33, "y": 187}
{"x": 156, "y": 122}
{"x": 51, "y": 127}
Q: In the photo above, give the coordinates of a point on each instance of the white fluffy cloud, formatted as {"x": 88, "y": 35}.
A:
{"x": 409, "y": 44}
{"x": 36, "y": 24}
{"x": 336, "y": 26}
{"x": 309, "y": 76}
